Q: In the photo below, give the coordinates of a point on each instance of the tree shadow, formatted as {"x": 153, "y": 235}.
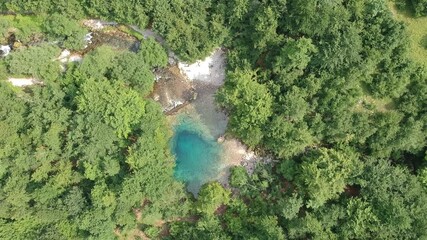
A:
{"x": 404, "y": 7}
{"x": 423, "y": 42}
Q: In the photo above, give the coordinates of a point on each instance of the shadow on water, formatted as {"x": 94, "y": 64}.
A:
{"x": 197, "y": 153}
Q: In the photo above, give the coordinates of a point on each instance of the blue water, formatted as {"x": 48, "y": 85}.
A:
{"x": 197, "y": 154}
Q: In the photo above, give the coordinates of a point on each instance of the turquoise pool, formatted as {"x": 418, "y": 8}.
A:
{"x": 197, "y": 154}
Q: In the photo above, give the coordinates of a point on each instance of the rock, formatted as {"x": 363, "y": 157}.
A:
{"x": 209, "y": 70}
{"x": 17, "y": 45}
{"x": 5, "y": 50}
{"x": 170, "y": 89}
{"x": 22, "y": 82}
{"x": 88, "y": 39}
{"x": 75, "y": 58}
{"x": 97, "y": 24}
{"x": 63, "y": 57}
{"x": 171, "y": 61}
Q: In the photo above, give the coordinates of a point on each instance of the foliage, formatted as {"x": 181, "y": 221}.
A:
{"x": 190, "y": 30}
{"x": 134, "y": 69}
{"x": 249, "y": 104}
{"x": 238, "y": 176}
{"x": 97, "y": 63}
{"x": 118, "y": 107}
{"x": 325, "y": 173}
{"x": 397, "y": 199}
{"x": 420, "y": 7}
{"x": 83, "y": 151}
{"x": 37, "y": 62}
{"x": 68, "y": 32}
{"x": 333, "y": 91}
{"x": 152, "y": 53}
{"x": 211, "y": 197}
{"x": 25, "y": 28}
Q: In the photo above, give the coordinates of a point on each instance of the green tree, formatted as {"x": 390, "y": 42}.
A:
{"x": 97, "y": 63}
{"x": 36, "y": 61}
{"x": 287, "y": 139}
{"x": 152, "y": 53}
{"x": 420, "y": 7}
{"x": 325, "y": 173}
{"x": 360, "y": 220}
{"x": 211, "y": 197}
{"x": 70, "y": 34}
{"x": 291, "y": 206}
{"x": 118, "y": 106}
{"x": 133, "y": 70}
{"x": 238, "y": 177}
{"x": 292, "y": 60}
{"x": 248, "y": 102}
{"x": 397, "y": 199}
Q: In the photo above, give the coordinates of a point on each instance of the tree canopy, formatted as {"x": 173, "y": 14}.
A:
{"x": 325, "y": 90}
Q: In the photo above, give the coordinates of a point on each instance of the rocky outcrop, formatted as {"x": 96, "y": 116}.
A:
{"x": 172, "y": 90}
{"x": 4, "y": 50}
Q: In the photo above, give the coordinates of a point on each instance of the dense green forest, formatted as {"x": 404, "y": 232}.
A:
{"x": 329, "y": 88}
{"x": 83, "y": 151}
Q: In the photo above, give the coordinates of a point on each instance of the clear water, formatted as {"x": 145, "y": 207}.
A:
{"x": 197, "y": 154}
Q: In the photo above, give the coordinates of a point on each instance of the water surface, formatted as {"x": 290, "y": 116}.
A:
{"x": 197, "y": 154}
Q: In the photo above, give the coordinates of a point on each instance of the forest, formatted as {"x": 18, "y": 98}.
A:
{"x": 330, "y": 89}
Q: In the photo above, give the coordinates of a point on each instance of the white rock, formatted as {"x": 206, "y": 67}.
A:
{"x": 5, "y": 49}
{"x": 94, "y": 24}
{"x": 63, "y": 57}
{"x": 22, "y": 82}
{"x": 157, "y": 77}
{"x": 210, "y": 70}
{"x": 75, "y": 58}
{"x": 88, "y": 39}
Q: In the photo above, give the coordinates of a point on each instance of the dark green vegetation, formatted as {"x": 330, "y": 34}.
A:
{"x": 191, "y": 28}
{"x": 85, "y": 151}
{"x": 418, "y": 7}
{"x": 327, "y": 87}
{"x": 35, "y": 29}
